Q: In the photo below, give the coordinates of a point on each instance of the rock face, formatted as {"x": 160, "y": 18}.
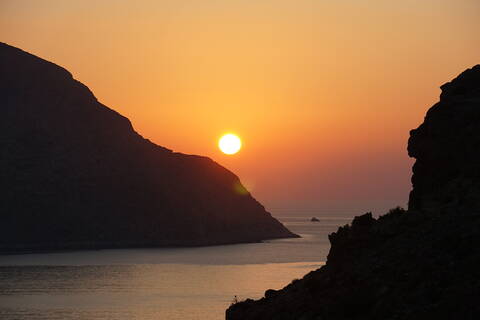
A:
{"x": 446, "y": 175}
{"x": 415, "y": 264}
{"x": 74, "y": 174}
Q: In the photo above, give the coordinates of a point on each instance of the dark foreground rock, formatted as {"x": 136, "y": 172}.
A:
{"x": 446, "y": 174}
{"x": 417, "y": 264}
{"x": 74, "y": 174}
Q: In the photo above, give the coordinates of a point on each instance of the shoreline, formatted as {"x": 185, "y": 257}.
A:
{"x": 82, "y": 246}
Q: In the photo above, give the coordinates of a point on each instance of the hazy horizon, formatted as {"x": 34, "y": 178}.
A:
{"x": 323, "y": 93}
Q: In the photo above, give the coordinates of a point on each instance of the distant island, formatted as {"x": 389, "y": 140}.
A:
{"x": 314, "y": 219}
{"x": 75, "y": 175}
{"x": 420, "y": 263}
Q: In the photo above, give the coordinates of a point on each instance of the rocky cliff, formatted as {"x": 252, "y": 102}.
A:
{"x": 446, "y": 174}
{"x": 74, "y": 174}
{"x": 415, "y": 264}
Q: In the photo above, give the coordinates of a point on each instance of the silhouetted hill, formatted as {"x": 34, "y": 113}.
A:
{"x": 74, "y": 174}
{"x": 420, "y": 264}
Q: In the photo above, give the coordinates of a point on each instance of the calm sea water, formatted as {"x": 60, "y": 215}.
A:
{"x": 177, "y": 283}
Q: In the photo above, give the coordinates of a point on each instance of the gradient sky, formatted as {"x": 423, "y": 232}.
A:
{"x": 322, "y": 93}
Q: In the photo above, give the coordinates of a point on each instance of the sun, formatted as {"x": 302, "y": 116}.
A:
{"x": 229, "y": 143}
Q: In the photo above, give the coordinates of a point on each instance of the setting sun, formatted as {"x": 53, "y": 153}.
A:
{"x": 229, "y": 143}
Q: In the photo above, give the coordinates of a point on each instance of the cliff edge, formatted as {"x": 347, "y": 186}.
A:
{"x": 446, "y": 146}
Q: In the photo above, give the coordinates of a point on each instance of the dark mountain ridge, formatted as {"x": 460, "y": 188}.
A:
{"x": 417, "y": 264}
{"x": 74, "y": 174}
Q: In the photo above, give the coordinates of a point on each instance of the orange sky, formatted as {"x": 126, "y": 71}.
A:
{"x": 322, "y": 92}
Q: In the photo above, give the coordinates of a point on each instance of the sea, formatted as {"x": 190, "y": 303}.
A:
{"x": 168, "y": 283}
